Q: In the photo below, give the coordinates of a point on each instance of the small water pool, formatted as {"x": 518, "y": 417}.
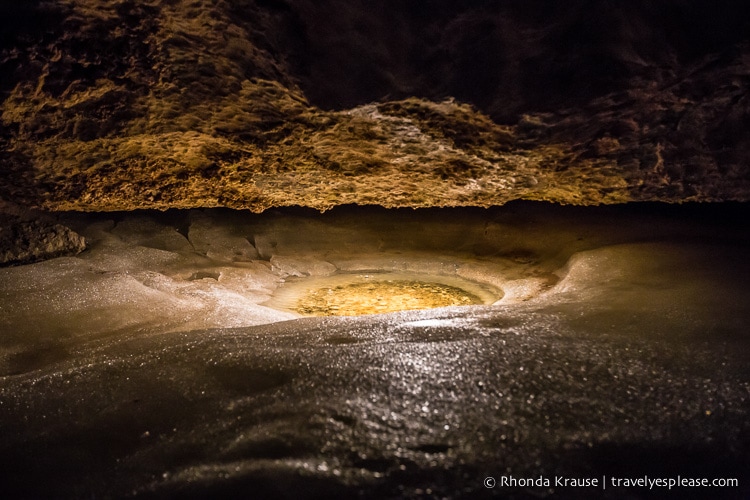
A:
{"x": 355, "y": 294}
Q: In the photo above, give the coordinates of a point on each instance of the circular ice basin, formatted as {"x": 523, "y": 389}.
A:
{"x": 358, "y": 294}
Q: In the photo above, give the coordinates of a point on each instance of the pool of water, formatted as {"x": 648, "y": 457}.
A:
{"x": 354, "y": 294}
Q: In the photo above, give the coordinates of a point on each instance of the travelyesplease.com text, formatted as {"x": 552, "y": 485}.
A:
{"x": 605, "y": 482}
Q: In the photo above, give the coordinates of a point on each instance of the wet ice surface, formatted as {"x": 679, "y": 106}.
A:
{"x": 146, "y": 366}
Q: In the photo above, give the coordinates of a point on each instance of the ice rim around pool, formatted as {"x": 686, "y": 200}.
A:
{"x": 182, "y": 271}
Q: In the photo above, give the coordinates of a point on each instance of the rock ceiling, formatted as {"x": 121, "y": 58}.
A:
{"x": 118, "y": 105}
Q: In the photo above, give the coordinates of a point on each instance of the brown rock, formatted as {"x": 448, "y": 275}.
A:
{"x": 260, "y": 103}
{"x": 24, "y": 242}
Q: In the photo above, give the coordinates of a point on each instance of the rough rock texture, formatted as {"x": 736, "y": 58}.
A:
{"x": 110, "y": 105}
{"x": 23, "y": 242}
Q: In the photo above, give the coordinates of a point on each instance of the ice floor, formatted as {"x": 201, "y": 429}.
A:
{"x": 169, "y": 360}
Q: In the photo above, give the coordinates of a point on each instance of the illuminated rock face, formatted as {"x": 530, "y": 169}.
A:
{"x": 253, "y": 104}
{"x": 26, "y": 241}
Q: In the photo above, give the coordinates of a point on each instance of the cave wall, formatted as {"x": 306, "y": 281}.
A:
{"x": 259, "y": 103}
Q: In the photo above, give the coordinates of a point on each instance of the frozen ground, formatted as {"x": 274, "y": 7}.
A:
{"x": 157, "y": 363}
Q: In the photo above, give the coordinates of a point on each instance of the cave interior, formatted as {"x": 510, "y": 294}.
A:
{"x": 393, "y": 249}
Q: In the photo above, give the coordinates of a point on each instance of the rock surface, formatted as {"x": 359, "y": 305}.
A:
{"x": 260, "y": 103}
{"x": 23, "y": 242}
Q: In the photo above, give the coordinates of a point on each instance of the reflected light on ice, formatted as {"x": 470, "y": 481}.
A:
{"x": 432, "y": 323}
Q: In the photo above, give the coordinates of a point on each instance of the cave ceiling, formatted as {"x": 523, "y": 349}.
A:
{"x": 119, "y": 105}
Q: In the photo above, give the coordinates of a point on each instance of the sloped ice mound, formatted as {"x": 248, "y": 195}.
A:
{"x": 170, "y": 359}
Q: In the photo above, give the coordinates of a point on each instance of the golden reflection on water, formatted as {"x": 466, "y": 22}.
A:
{"x": 385, "y": 296}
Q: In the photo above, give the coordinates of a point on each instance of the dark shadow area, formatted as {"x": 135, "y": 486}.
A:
{"x": 503, "y": 57}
